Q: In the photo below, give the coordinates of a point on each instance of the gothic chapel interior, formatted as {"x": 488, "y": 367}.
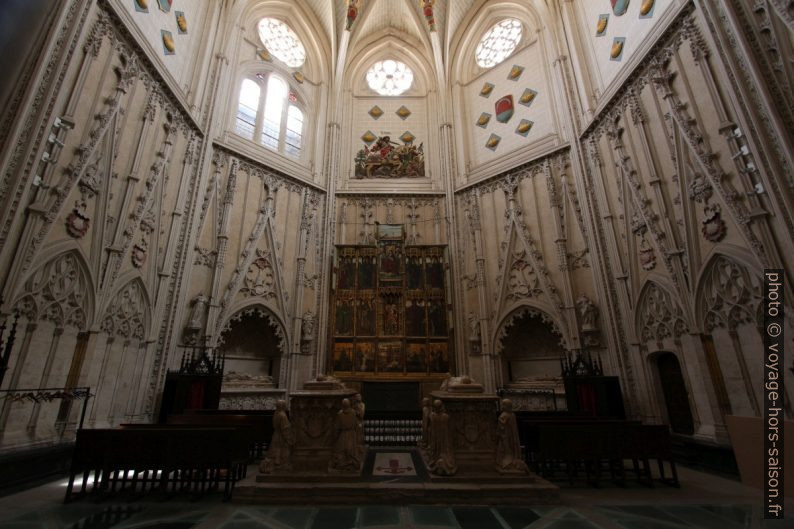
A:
{"x": 220, "y": 205}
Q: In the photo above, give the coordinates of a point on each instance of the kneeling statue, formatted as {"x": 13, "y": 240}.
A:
{"x": 346, "y": 454}
{"x": 508, "y": 446}
{"x": 280, "y": 449}
{"x": 441, "y": 453}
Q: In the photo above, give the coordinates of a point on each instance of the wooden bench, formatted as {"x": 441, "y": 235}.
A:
{"x": 187, "y": 459}
{"x": 258, "y": 426}
{"x": 597, "y": 447}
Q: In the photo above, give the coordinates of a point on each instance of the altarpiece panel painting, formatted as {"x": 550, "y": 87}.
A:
{"x": 390, "y": 309}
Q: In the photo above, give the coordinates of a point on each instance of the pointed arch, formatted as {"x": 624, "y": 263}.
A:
{"x": 531, "y": 309}
{"x": 729, "y": 292}
{"x": 249, "y": 307}
{"x": 61, "y": 290}
{"x": 391, "y": 46}
{"x": 301, "y": 20}
{"x": 658, "y": 314}
{"x": 462, "y": 66}
{"x": 128, "y": 312}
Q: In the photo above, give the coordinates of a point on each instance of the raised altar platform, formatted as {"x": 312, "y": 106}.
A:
{"x": 416, "y": 487}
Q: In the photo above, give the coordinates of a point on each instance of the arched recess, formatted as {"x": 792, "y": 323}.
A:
{"x": 530, "y": 346}
{"x": 56, "y": 304}
{"x": 539, "y": 308}
{"x": 728, "y": 306}
{"x": 60, "y": 291}
{"x": 254, "y": 342}
{"x": 675, "y": 394}
{"x": 728, "y": 294}
{"x": 543, "y": 323}
{"x": 658, "y": 315}
{"x": 128, "y": 311}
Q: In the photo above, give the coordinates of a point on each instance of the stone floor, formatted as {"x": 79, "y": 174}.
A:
{"x": 703, "y": 502}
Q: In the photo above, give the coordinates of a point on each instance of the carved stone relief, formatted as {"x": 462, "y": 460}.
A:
{"x": 729, "y": 295}
{"x": 58, "y": 292}
{"x": 126, "y": 315}
{"x": 658, "y": 316}
{"x": 260, "y": 278}
{"x": 523, "y": 281}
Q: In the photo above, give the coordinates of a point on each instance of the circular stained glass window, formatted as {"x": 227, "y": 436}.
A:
{"x": 498, "y": 43}
{"x": 390, "y": 78}
{"x": 282, "y": 42}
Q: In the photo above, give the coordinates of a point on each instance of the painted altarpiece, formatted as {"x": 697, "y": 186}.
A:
{"x": 390, "y": 310}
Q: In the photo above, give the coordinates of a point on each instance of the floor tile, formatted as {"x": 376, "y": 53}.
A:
{"x": 476, "y": 518}
{"x": 571, "y": 524}
{"x": 701, "y": 518}
{"x": 633, "y": 512}
{"x": 335, "y": 518}
{"x": 377, "y": 515}
{"x": 437, "y": 516}
{"x": 517, "y": 517}
{"x": 741, "y": 514}
{"x": 293, "y": 518}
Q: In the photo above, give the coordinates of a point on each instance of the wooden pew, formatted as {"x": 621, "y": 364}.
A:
{"x": 193, "y": 459}
{"x": 259, "y": 427}
{"x": 597, "y": 446}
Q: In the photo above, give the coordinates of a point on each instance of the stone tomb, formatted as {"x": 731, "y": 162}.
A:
{"x": 469, "y": 435}
{"x": 314, "y": 423}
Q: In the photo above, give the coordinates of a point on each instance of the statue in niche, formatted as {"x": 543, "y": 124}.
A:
{"x": 307, "y": 329}
{"x": 360, "y": 408}
{"x": 346, "y": 456}
{"x": 442, "y": 457}
{"x": 588, "y": 313}
{"x": 307, "y": 332}
{"x": 196, "y": 320}
{"x": 474, "y": 327}
{"x": 425, "y": 442}
{"x": 474, "y": 333}
{"x": 280, "y": 449}
{"x": 508, "y": 446}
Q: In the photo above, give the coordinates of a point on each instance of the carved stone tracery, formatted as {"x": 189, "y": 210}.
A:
{"x": 58, "y": 292}
{"x": 729, "y": 295}
{"x": 126, "y": 315}
{"x": 658, "y": 316}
